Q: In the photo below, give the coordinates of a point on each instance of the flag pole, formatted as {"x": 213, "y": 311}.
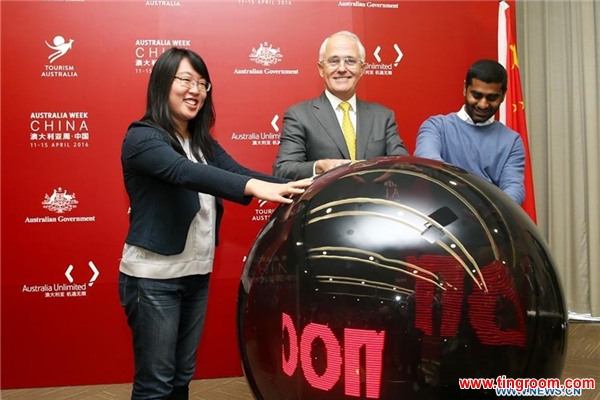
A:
{"x": 512, "y": 110}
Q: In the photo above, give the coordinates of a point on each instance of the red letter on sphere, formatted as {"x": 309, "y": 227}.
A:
{"x": 334, "y": 357}
{"x": 289, "y": 365}
{"x": 354, "y": 340}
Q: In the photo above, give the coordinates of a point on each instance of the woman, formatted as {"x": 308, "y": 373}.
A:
{"x": 176, "y": 175}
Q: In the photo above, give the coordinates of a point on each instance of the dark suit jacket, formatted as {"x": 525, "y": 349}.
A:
{"x": 163, "y": 187}
{"x": 311, "y": 132}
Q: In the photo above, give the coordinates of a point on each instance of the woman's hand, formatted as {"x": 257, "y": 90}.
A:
{"x": 276, "y": 192}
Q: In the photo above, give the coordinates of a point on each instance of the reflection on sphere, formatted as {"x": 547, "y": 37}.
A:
{"x": 393, "y": 279}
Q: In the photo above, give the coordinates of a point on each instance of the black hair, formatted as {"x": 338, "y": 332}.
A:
{"x": 157, "y": 103}
{"x": 488, "y": 71}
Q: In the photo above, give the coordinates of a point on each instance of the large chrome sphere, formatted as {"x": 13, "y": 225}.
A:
{"x": 393, "y": 279}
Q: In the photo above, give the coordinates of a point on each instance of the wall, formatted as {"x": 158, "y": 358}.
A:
{"x": 64, "y": 207}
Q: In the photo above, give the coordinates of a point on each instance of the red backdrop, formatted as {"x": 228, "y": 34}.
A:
{"x": 74, "y": 75}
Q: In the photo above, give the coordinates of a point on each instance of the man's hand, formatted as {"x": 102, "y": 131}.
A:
{"x": 325, "y": 165}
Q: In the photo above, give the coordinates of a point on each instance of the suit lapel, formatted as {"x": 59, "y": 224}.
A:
{"x": 364, "y": 121}
{"x": 325, "y": 114}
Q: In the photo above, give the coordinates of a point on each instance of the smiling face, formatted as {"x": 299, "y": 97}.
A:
{"x": 340, "y": 79}
{"x": 482, "y": 100}
{"x": 184, "y": 102}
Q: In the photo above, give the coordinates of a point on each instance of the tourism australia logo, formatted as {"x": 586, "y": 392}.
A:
{"x": 58, "y": 48}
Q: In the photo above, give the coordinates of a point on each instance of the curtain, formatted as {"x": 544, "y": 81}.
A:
{"x": 559, "y": 54}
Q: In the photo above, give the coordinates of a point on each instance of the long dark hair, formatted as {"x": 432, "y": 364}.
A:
{"x": 157, "y": 103}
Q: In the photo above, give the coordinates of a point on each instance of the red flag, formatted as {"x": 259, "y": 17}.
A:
{"x": 512, "y": 111}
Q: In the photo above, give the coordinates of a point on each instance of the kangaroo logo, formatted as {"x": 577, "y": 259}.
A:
{"x": 61, "y": 47}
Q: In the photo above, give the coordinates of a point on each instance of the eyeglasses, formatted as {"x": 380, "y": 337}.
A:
{"x": 190, "y": 83}
{"x": 349, "y": 62}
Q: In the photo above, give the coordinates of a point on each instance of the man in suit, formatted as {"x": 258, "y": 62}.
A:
{"x": 313, "y": 141}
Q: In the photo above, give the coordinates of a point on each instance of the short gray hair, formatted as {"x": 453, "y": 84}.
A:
{"x": 361, "y": 48}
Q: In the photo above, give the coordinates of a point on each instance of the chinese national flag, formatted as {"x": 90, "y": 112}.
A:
{"x": 512, "y": 111}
